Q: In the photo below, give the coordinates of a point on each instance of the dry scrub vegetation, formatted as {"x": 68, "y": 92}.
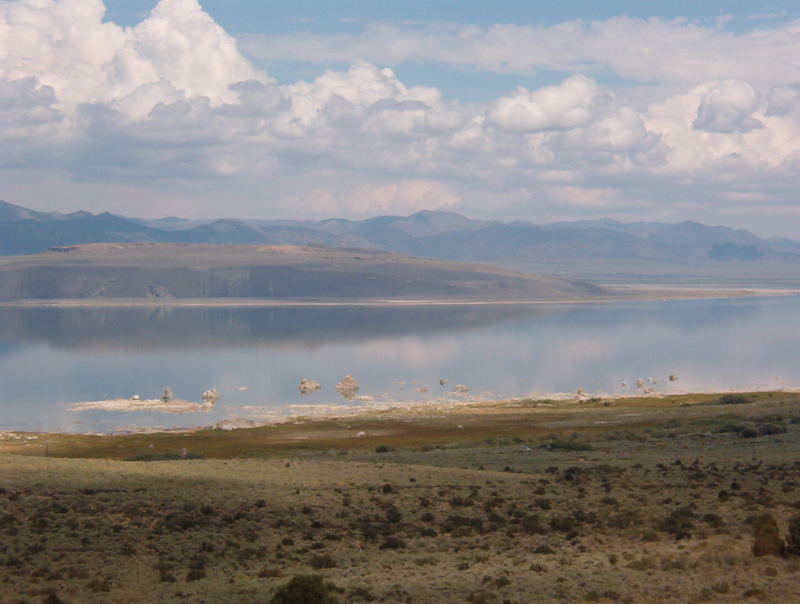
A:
{"x": 687, "y": 504}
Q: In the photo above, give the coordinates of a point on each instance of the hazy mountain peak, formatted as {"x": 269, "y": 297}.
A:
{"x": 10, "y": 211}
{"x": 427, "y": 223}
{"x": 585, "y": 248}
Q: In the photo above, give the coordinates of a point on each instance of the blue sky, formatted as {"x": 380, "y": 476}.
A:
{"x": 257, "y": 16}
{"x": 540, "y": 111}
{"x": 242, "y": 17}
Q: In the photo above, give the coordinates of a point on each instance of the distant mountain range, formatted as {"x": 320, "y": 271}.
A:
{"x": 596, "y": 249}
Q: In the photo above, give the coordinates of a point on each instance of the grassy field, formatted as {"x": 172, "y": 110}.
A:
{"x": 627, "y": 500}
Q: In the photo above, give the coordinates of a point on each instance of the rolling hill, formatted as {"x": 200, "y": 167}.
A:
{"x": 165, "y": 271}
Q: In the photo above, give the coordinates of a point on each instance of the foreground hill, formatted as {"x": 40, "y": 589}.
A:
{"x": 163, "y": 271}
{"x": 676, "y": 499}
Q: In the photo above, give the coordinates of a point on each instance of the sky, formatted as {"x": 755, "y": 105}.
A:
{"x": 516, "y": 110}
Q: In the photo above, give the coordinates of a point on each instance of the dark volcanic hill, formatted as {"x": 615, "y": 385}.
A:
{"x": 202, "y": 271}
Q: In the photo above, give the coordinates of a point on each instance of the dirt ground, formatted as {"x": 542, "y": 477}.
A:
{"x": 638, "y": 500}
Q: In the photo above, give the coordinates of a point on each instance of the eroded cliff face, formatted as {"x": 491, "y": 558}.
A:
{"x": 164, "y": 271}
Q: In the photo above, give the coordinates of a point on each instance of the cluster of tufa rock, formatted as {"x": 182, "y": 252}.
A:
{"x": 308, "y": 386}
{"x": 348, "y": 387}
{"x": 210, "y": 397}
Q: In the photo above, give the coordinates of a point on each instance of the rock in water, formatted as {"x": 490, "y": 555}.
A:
{"x": 348, "y": 387}
{"x": 308, "y": 386}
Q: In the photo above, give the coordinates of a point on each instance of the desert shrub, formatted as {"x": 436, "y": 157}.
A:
{"x": 714, "y": 520}
{"x": 162, "y": 457}
{"x": 426, "y": 561}
{"x": 369, "y": 531}
{"x": 195, "y": 574}
{"x": 462, "y": 531}
{"x": 323, "y": 561}
{"x": 679, "y": 523}
{"x": 305, "y": 589}
{"x": 454, "y": 522}
{"x": 668, "y": 563}
{"x": 733, "y": 399}
{"x": 502, "y": 581}
{"x": 361, "y": 594}
{"x": 183, "y": 521}
{"x": 753, "y": 592}
{"x": 730, "y": 428}
{"x": 644, "y": 563}
{"x": 99, "y": 585}
{"x": 766, "y": 429}
{"x": 268, "y": 573}
{"x": 393, "y": 515}
{"x": 564, "y": 524}
{"x": 623, "y": 519}
{"x": 566, "y": 445}
{"x": 482, "y": 597}
{"x": 464, "y": 502}
{"x": 261, "y": 503}
{"x": 383, "y": 449}
{"x": 793, "y": 538}
{"x": 392, "y": 542}
{"x": 531, "y": 524}
{"x": 165, "y": 571}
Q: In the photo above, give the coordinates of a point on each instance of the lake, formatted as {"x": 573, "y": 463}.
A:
{"x": 52, "y": 358}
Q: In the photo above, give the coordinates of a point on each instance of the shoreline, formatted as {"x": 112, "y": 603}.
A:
{"x": 398, "y": 411}
{"x": 627, "y": 293}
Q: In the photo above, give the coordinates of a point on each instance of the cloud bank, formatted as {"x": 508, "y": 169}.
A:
{"x": 170, "y": 115}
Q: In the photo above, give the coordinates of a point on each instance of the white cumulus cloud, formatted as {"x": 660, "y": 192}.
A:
{"x": 728, "y": 107}
{"x": 171, "y": 107}
{"x": 571, "y": 104}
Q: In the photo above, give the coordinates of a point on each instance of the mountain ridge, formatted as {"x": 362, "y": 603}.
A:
{"x": 585, "y": 249}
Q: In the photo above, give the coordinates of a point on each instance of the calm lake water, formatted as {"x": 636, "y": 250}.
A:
{"x": 52, "y": 358}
